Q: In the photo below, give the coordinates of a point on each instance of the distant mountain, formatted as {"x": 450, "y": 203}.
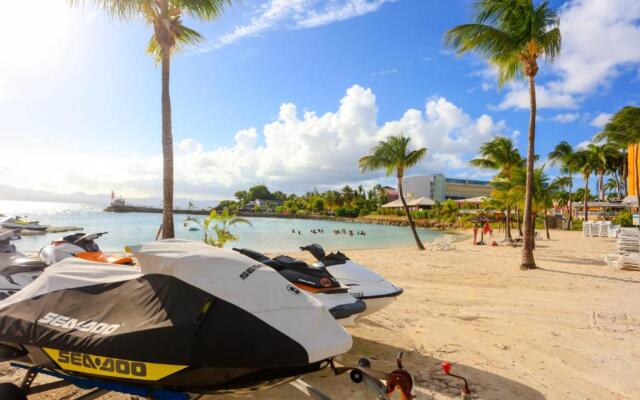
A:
{"x": 12, "y": 193}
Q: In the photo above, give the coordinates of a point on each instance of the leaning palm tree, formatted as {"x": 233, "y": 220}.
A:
{"x": 169, "y": 36}
{"x": 394, "y": 154}
{"x": 512, "y": 35}
{"x": 564, "y": 154}
{"x": 500, "y": 154}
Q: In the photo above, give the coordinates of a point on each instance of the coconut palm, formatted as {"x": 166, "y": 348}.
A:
{"x": 395, "y": 155}
{"x": 500, "y": 154}
{"x": 623, "y": 130}
{"x": 587, "y": 161}
{"x": 512, "y": 35}
{"x": 169, "y": 36}
{"x": 564, "y": 154}
{"x": 612, "y": 186}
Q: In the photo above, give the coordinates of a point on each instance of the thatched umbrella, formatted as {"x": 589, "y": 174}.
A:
{"x": 482, "y": 218}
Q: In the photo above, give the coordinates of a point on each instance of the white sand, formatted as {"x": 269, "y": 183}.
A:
{"x": 570, "y": 330}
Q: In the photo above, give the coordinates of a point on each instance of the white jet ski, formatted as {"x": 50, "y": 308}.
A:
{"x": 16, "y": 269}
{"x": 363, "y": 283}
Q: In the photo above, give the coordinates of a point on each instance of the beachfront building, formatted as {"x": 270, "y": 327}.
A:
{"x": 440, "y": 188}
{"x": 599, "y": 210}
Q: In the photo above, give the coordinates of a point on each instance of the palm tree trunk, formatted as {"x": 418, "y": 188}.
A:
{"x": 570, "y": 201}
{"x": 167, "y": 151}
{"x": 601, "y": 185}
{"x": 507, "y": 226}
{"x": 585, "y": 199}
{"x": 546, "y": 224}
{"x": 528, "y": 261}
{"x": 518, "y": 220}
{"x": 637, "y": 180}
{"x": 406, "y": 210}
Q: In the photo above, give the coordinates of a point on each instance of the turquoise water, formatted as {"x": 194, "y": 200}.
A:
{"x": 266, "y": 234}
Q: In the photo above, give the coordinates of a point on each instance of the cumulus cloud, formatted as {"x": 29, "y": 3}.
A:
{"x": 599, "y": 42}
{"x": 518, "y": 97}
{"x": 296, "y": 14}
{"x": 297, "y": 151}
{"x": 600, "y": 120}
{"x": 566, "y": 118}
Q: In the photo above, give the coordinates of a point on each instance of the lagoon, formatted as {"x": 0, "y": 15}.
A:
{"x": 265, "y": 234}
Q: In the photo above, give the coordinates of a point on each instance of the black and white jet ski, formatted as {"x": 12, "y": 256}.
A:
{"x": 362, "y": 282}
{"x": 189, "y": 318}
{"x": 16, "y": 269}
{"x": 316, "y": 281}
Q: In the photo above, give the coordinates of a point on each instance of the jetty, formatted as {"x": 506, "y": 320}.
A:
{"x": 127, "y": 208}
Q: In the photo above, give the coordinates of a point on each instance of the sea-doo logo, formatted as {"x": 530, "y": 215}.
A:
{"x": 245, "y": 274}
{"x": 108, "y": 366}
{"x": 325, "y": 282}
{"x": 61, "y": 321}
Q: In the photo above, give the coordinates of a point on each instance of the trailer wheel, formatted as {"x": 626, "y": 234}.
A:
{"x": 9, "y": 391}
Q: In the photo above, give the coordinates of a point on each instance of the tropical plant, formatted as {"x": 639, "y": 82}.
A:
{"x": 394, "y": 155}
{"x": 586, "y": 161}
{"x": 564, "y": 154}
{"x": 512, "y": 35}
{"x": 500, "y": 154}
{"x": 169, "y": 36}
{"x": 623, "y": 130}
{"x": 219, "y": 225}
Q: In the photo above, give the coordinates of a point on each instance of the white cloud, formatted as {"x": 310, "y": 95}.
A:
{"x": 600, "y": 120}
{"x": 518, "y": 97}
{"x": 566, "y": 118}
{"x": 599, "y": 38}
{"x": 390, "y": 71}
{"x": 295, "y": 152}
{"x": 297, "y": 14}
{"x": 583, "y": 145}
{"x": 599, "y": 41}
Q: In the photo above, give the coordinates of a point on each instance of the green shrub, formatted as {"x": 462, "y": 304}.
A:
{"x": 576, "y": 225}
{"x": 624, "y": 218}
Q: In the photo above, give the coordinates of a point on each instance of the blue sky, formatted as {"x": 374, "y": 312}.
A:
{"x": 286, "y": 92}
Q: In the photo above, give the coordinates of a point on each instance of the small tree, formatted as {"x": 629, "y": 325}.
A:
{"x": 219, "y": 225}
{"x": 394, "y": 155}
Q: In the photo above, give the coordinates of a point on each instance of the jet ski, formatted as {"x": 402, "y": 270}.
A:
{"x": 362, "y": 282}
{"x": 17, "y": 222}
{"x": 316, "y": 281}
{"x": 16, "y": 269}
{"x": 189, "y": 318}
{"x": 80, "y": 245}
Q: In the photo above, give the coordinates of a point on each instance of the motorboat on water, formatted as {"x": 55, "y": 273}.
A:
{"x": 317, "y": 281}
{"x": 363, "y": 283}
{"x": 189, "y": 318}
{"x": 16, "y": 269}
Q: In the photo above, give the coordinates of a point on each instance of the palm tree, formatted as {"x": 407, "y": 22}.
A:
{"x": 587, "y": 160}
{"x": 512, "y": 35}
{"x": 394, "y": 154}
{"x": 169, "y": 36}
{"x": 564, "y": 154}
{"x": 623, "y": 130}
{"x": 500, "y": 154}
{"x": 612, "y": 186}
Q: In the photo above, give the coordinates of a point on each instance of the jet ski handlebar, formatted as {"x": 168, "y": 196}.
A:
{"x": 90, "y": 236}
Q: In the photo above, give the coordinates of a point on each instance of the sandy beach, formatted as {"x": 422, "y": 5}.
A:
{"x": 569, "y": 330}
